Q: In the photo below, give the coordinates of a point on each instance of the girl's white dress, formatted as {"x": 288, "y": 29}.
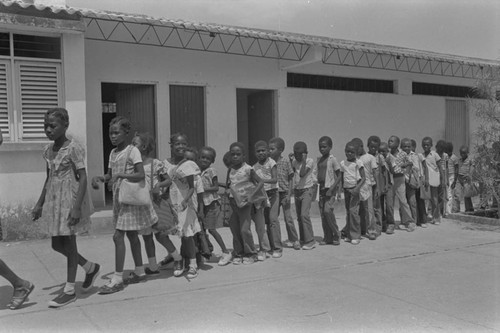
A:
{"x": 128, "y": 217}
{"x": 188, "y": 219}
{"x": 62, "y": 187}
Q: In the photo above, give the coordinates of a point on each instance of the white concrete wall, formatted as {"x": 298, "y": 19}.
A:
{"x": 22, "y": 168}
{"x": 303, "y": 114}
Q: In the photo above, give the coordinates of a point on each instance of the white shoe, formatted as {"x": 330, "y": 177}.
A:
{"x": 225, "y": 259}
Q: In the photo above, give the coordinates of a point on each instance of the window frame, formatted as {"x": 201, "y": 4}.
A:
{"x": 15, "y": 137}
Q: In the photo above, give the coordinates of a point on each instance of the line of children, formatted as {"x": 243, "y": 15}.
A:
{"x": 185, "y": 199}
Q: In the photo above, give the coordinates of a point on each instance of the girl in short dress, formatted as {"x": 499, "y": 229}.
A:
{"x": 65, "y": 201}
{"x": 184, "y": 199}
{"x": 125, "y": 162}
{"x": 157, "y": 178}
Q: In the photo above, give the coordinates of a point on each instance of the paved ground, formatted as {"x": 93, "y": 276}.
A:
{"x": 441, "y": 279}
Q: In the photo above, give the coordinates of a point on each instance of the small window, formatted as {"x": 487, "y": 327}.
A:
{"x": 37, "y": 47}
{"x": 295, "y": 80}
{"x": 4, "y": 44}
{"x": 432, "y": 89}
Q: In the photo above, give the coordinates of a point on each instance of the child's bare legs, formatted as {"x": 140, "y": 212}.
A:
{"x": 66, "y": 245}
{"x": 22, "y": 288}
{"x": 119, "y": 240}
{"x": 149, "y": 244}
{"x": 135, "y": 247}
{"x": 218, "y": 238}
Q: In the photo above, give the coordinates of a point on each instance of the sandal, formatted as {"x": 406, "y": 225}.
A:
{"x": 23, "y": 293}
{"x": 110, "y": 289}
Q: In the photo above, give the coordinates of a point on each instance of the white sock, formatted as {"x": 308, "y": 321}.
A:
{"x": 176, "y": 255}
{"x": 69, "y": 288}
{"x": 88, "y": 267}
{"x": 139, "y": 270}
{"x": 192, "y": 263}
{"x": 153, "y": 265}
{"x": 117, "y": 278}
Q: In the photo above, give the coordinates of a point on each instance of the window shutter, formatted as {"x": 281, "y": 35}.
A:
{"x": 39, "y": 90}
{"x": 4, "y": 99}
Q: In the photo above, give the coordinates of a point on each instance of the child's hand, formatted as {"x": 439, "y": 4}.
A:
{"x": 291, "y": 156}
{"x": 36, "y": 213}
{"x": 95, "y": 182}
{"x": 116, "y": 177}
{"x": 74, "y": 216}
{"x": 356, "y": 190}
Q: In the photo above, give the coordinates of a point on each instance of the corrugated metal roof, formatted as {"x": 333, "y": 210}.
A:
{"x": 327, "y": 42}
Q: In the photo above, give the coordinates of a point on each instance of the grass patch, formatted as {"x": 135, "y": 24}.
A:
{"x": 17, "y": 225}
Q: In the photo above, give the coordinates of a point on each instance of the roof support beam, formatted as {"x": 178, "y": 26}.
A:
{"x": 313, "y": 56}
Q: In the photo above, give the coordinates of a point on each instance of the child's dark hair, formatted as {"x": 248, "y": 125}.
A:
{"x": 449, "y": 148}
{"x": 279, "y": 142}
{"x": 260, "y": 143}
{"x": 175, "y": 136}
{"x": 226, "y": 159}
{"x": 59, "y": 113}
{"x": 122, "y": 122}
{"x": 147, "y": 141}
{"x": 441, "y": 145}
{"x": 327, "y": 140}
{"x": 300, "y": 146}
{"x": 359, "y": 146}
{"x": 211, "y": 150}
{"x": 397, "y": 139}
{"x": 413, "y": 143}
{"x": 352, "y": 145}
{"x": 239, "y": 145}
{"x": 427, "y": 138}
{"x": 192, "y": 150}
{"x": 375, "y": 139}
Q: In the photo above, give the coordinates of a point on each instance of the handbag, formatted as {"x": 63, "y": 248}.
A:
{"x": 167, "y": 218}
{"x": 242, "y": 194}
{"x": 470, "y": 190}
{"x": 133, "y": 193}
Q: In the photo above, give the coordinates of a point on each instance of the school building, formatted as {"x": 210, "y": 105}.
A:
{"x": 218, "y": 84}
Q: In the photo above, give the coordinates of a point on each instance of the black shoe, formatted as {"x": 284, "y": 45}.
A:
{"x": 148, "y": 271}
{"x": 134, "y": 278}
{"x": 168, "y": 259}
{"x": 90, "y": 278}
{"x": 62, "y": 300}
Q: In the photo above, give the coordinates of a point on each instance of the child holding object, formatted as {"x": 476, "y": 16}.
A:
{"x": 125, "y": 163}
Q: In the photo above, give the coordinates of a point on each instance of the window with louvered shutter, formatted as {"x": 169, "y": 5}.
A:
{"x": 39, "y": 89}
{"x": 5, "y": 99}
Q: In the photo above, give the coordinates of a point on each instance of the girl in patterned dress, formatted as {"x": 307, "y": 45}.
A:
{"x": 125, "y": 162}
{"x": 184, "y": 199}
{"x": 65, "y": 201}
{"x": 156, "y": 178}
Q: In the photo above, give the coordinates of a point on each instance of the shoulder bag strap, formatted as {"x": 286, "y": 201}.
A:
{"x": 126, "y": 159}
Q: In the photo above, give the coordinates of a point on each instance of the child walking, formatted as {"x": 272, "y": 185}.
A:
{"x": 352, "y": 178}
{"x": 125, "y": 162}
{"x": 156, "y": 178}
{"x": 303, "y": 191}
{"x": 65, "y": 202}
{"x": 240, "y": 172}
{"x": 327, "y": 170}
{"x": 265, "y": 215}
{"x": 212, "y": 200}
{"x": 285, "y": 176}
{"x": 183, "y": 195}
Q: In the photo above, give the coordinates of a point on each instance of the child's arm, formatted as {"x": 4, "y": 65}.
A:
{"x": 190, "y": 181}
{"x": 338, "y": 179}
{"x": 76, "y": 212}
{"x": 426, "y": 174}
{"x": 214, "y": 187}
{"x": 37, "y": 210}
{"x": 257, "y": 181}
{"x": 274, "y": 176}
{"x": 456, "y": 176}
{"x": 304, "y": 169}
{"x": 103, "y": 179}
{"x": 201, "y": 211}
{"x": 135, "y": 177}
{"x": 375, "y": 173}
{"x": 357, "y": 189}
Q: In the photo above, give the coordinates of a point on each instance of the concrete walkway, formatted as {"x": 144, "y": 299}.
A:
{"x": 441, "y": 279}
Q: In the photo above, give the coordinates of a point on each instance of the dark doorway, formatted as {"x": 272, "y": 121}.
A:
{"x": 187, "y": 113}
{"x": 256, "y": 118}
{"x": 133, "y": 101}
